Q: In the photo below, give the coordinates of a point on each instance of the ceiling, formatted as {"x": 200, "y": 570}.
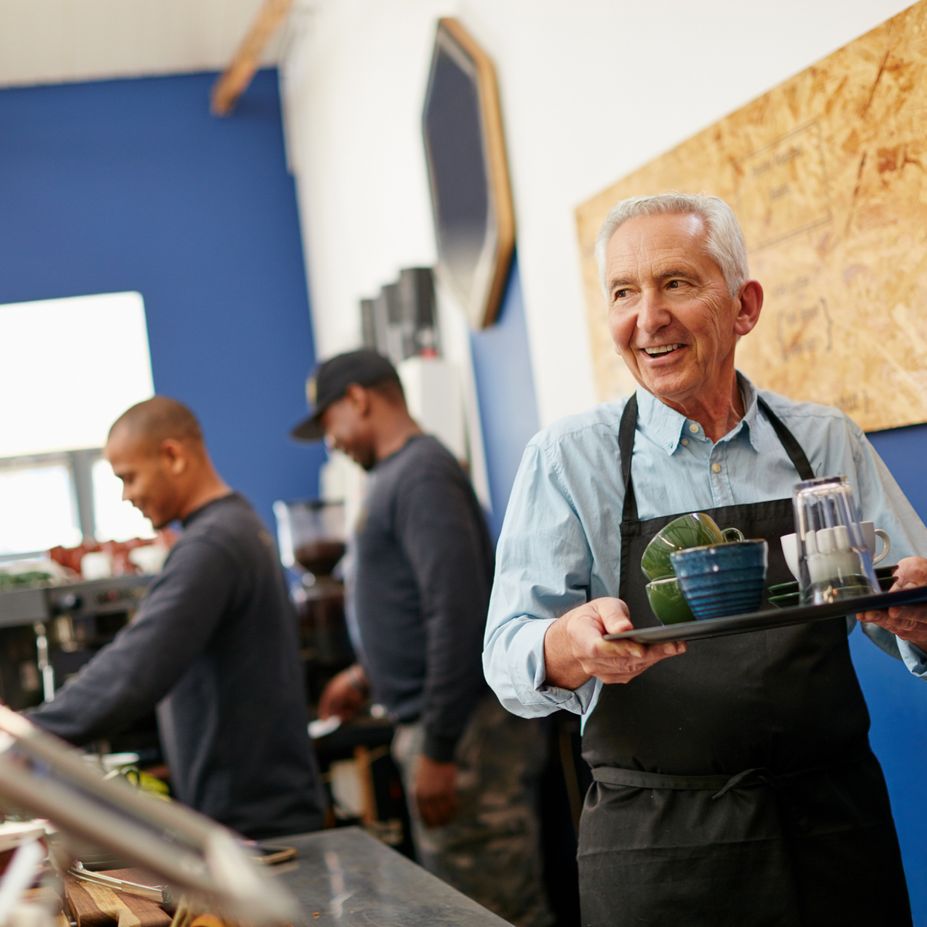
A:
{"x": 58, "y": 41}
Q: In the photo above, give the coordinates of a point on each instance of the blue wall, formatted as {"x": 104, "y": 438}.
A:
{"x": 897, "y": 701}
{"x": 505, "y": 389}
{"x": 133, "y": 185}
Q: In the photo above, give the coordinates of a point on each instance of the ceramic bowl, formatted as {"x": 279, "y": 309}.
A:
{"x": 722, "y": 579}
{"x": 695, "y": 529}
{"x": 667, "y": 601}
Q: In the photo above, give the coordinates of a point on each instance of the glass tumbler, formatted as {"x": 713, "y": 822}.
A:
{"x": 834, "y": 561}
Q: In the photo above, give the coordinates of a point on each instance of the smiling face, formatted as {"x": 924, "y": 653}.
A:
{"x": 149, "y": 472}
{"x": 347, "y": 428}
{"x": 670, "y": 313}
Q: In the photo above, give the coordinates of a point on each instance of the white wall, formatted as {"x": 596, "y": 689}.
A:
{"x": 590, "y": 90}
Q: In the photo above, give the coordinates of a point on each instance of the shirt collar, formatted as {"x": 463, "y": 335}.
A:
{"x": 667, "y": 427}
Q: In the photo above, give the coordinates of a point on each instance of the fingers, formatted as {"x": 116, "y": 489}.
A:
{"x": 905, "y": 615}
{"x": 621, "y": 661}
{"x": 327, "y": 705}
{"x": 911, "y": 571}
{"x": 871, "y": 617}
{"x": 437, "y": 810}
{"x": 673, "y": 648}
{"x": 915, "y": 613}
{"x": 340, "y": 698}
{"x": 909, "y": 622}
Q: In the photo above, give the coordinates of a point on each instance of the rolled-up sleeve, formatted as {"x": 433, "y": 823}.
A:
{"x": 543, "y": 565}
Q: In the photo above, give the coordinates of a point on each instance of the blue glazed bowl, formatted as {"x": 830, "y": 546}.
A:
{"x": 722, "y": 579}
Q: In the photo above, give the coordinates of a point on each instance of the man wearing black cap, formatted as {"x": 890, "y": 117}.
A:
{"x": 418, "y": 592}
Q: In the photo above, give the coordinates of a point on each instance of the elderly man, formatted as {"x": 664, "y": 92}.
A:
{"x": 213, "y": 645}
{"x": 733, "y": 779}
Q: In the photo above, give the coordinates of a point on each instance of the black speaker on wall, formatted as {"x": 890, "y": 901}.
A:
{"x": 369, "y": 324}
{"x": 389, "y": 319}
{"x": 417, "y": 296}
{"x": 379, "y": 323}
{"x": 401, "y": 320}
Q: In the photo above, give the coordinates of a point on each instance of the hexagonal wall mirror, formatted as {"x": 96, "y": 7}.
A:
{"x": 467, "y": 173}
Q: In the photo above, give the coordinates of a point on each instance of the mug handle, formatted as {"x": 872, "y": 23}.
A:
{"x": 886, "y": 545}
{"x": 732, "y": 534}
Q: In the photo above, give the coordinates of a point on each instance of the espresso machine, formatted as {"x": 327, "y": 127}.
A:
{"x": 48, "y": 632}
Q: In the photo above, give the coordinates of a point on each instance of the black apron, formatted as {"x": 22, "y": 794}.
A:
{"x": 734, "y": 785}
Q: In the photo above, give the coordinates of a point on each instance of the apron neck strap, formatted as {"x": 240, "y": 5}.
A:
{"x": 626, "y": 448}
{"x": 789, "y": 442}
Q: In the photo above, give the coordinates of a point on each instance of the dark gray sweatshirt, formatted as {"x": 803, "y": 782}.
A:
{"x": 422, "y": 565}
{"x": 214, "y": 646}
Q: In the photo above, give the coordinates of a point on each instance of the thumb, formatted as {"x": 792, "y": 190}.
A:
{"x": 614, "y": 614}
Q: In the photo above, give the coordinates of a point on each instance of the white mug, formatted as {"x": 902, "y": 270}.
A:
{"x": 149, "y": 558}
{"x": 829, "y": 545}
{"x": 96, "y": 564}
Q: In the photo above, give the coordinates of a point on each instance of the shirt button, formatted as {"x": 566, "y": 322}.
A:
{"x": 693, "y": 428}
{"x": 684, "y": 442}
{"x": 716, "y": 468}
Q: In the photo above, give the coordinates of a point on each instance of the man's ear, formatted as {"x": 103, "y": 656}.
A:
{"x": 751, "y": 304}
{"x": 174, "y": 455}
{"x": 359, "y": 397}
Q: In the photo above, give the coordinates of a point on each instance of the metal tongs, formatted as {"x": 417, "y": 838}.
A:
{"x": 159, "y": 893}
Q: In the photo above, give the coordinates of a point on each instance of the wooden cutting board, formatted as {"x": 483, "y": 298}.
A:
{"x": 98, "y": 906}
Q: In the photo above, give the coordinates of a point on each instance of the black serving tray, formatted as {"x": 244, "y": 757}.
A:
{"x": 769, "y": 618}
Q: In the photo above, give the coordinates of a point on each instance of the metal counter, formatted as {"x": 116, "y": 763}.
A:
{"x": 344, "y": 876}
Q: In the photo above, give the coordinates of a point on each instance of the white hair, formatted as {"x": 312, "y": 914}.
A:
{"x": 724, "y": 240}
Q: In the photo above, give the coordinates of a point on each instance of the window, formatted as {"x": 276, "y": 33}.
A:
{"x": 113, "y": 518}
{"x": 68, "y": 369}
{"x": 38, "y": 505}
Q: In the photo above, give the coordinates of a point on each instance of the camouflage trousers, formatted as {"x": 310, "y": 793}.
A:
{"x": 491, "y": 850}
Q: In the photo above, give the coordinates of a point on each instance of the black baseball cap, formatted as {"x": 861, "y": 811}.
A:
{"x": 330, "y": 381}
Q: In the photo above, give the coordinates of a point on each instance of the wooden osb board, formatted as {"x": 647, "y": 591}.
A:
{"x": 828, "y": 175}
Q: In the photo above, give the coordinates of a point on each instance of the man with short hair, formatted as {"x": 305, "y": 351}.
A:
{"x": 213, "y": 644}
{"x": 421, "y": 568}
{"x": 733, "y": 779}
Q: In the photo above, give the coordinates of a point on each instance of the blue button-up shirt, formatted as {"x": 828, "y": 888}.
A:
{"x": 560, "y": 544}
